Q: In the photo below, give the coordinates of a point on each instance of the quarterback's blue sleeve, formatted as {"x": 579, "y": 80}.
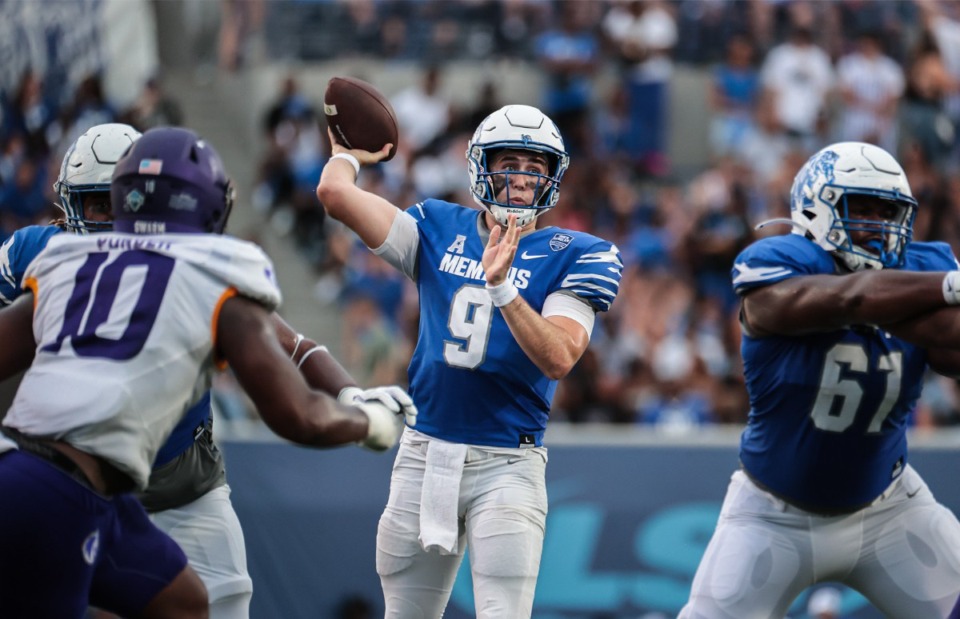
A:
{"x": 16, "y": 253}
{"x": 595, "y": 276}
{"x": 418, "y": 211}
{"x": 777, "y": 258}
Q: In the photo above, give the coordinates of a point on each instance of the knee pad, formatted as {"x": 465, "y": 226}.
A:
{"x": 396, "y": 548}
{"x": 507, "y": 543}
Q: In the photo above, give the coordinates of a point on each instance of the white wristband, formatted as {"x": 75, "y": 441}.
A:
{"x": 502, "y": 294}
{"x": 951, "y": 288}
{"x": 349, "y": 159}
{"x": 296, "y": 346}
{"x": 310, "y": 352}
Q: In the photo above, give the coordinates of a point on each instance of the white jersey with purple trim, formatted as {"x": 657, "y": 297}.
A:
{"x": 125, "y": 329}
{"x": 468, "y": 375}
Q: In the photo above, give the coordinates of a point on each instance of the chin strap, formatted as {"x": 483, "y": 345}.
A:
{"x": 783, "y": 221}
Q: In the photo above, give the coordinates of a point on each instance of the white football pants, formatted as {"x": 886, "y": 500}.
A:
{"x": 501, "y": 516}
{"x": 209, "y": 532}
{"x": 902, "y": 553}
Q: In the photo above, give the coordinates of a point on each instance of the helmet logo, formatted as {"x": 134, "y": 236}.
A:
{"x": 151, "y": 166}
{"x": 133, "y": 201}
{"x": 526, "y": 139}
{"x": 183, "y": 202}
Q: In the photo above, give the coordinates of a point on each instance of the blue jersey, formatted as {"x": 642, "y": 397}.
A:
{"x": 470, "y": 379}
{"x": 828, "y": 411}
{"x": 16, "y": 253}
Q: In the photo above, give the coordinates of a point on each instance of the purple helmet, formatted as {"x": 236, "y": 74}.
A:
{"x": 170, "y": 180}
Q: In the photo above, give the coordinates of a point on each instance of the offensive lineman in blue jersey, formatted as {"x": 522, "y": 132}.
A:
{"x": 833, "y": 319}
{"x": 506, "y": 310}
{"x": 188, "y": 496}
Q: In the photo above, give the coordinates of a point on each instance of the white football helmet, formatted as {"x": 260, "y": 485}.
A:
{"x": 87, "y": 168}
{"x": 818, "y": 203}
{"x": 520, "y": 127}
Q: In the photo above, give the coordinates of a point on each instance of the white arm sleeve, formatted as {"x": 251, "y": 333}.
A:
{"x": 400, "y": 247}
{"x": 572, "y": 307}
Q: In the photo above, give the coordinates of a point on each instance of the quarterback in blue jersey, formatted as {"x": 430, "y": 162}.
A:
{"x": 836, "y": 320}
{"x": 506, "y": 310}
{"x": 187, "y": 495}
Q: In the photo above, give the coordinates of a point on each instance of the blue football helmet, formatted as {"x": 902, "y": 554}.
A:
{"x": 819, "y": 206}
{"x": 87, "y": 167}
{"x": 519, "y": 127}
{"x": 171, "y": 180}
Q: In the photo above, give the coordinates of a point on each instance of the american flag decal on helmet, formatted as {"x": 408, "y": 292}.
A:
{"x": 151, "y": 166}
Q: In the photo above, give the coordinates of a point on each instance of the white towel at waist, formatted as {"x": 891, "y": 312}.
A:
{"x": 440, "y": 496}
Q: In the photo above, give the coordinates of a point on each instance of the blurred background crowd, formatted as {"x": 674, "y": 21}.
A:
{"x": 784, "y": 78}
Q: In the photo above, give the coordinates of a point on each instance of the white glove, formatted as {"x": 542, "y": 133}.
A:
{"x": 393, "y": 397}
{"x": 386, "y": 409}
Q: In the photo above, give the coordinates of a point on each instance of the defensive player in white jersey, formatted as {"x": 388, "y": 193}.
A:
{"x": 506, "y": 310}
{"x": 187, "y": 496}
{"x": 839, "y": 323}
{"x": 124, "y": 332}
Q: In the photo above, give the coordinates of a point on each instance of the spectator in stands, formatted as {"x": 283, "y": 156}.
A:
{"x": 925, "y": 120}
{"x": 734, "y": 93}
{"x": 13, "y": 149}
{"x": 365, "y": 26}
{"x": 644, "y": 33}
{"x": 423, "y": 112}
{"x": 870, "y": 85}
{"x": 942, "y": 21}
{"x": 569, "y": 55}
{"x": 25, "y": 201}
{"x": 720, "y": 228}
{"x": 239, "y": 21}
{"x": 797, "y": 76}
{"x": 90, "y": 107}
{"x": 29, "y": 113}
{"x": 519, "y": 21}
{"x": 372, "y": 346}
{"x": 677, "y": 402}
{"x": 153, "y": 108}
{"x": 486, "y": 102}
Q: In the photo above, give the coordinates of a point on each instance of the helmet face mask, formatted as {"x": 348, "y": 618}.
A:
{"x": 171, "y": 181}
{"x": 516, "y": 128}
{"x": 87, "y": 168}
{"x": 852, "y": 173}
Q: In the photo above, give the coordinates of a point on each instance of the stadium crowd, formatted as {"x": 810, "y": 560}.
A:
{"x": 786, "y": 78}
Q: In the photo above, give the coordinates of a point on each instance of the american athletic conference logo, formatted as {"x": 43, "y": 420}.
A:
{"x": 560, "y": 241}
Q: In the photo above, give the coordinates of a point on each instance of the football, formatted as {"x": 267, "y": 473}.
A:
{"x": 359, "y": 115}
